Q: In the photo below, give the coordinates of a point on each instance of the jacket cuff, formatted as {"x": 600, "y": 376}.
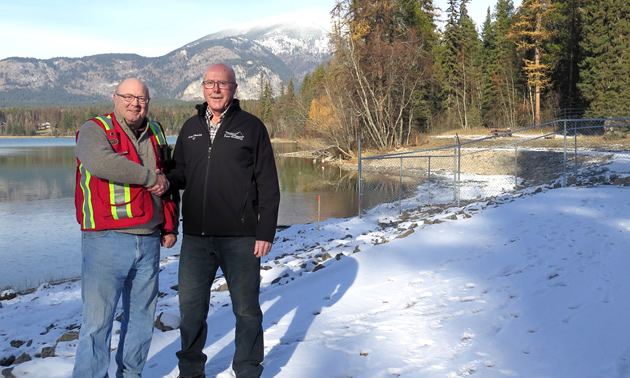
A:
{"x": 151, "y": 179}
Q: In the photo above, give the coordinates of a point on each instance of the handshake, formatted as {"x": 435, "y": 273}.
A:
{"x": 161, "y": 186}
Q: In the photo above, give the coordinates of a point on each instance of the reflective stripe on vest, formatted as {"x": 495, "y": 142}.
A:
{"x": 107, "y": 126}
{"x": 157, "y": 131}
{"x": 88, "y": 212}
{"x": 119, "y": 193}
{"x": 120, "y": 200}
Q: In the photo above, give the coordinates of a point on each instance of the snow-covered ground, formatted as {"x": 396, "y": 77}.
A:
{"x": 531, "y": 285}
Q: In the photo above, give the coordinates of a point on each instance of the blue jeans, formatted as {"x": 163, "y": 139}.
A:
{"x": 200, "y": 258}
{"x": 116, "y": 264}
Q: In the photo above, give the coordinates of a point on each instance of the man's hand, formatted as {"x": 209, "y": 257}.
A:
{"x": 168, "y": 240}
{"x": 162, "y": 184}
{"x": 262, "y": 248}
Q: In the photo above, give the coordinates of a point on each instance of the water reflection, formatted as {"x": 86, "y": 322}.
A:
{"x": 35, "y": 173}
{"x": 44, "y": 169}
{"x": 312, "y": 191}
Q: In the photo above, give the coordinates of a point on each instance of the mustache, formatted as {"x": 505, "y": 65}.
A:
{"x": 216, "y": 95}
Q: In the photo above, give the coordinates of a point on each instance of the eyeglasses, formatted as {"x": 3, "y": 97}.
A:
{"x": 129, "y": 98}
{"x": 209, "y": 84}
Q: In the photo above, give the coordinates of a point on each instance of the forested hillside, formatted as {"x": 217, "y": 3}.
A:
{"x": 394, "y": 73}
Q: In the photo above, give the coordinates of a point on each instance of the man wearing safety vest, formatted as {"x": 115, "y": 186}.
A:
{"x": 125, "y": 216}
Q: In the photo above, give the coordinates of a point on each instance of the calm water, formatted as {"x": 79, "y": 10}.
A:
{"x": 41, "y": 240}
{"x": 44, "y": 169}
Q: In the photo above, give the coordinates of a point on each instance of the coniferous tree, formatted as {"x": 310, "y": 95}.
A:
{"x": 605, "y": 70}
{"x": 266, "y": 104}
{"x": 565, "y": 55}
{"x": 461, "y": 65}
{"x": 449, "y": 50}
{"x": 531, "y": 34}
{"x": 501, "y": 70}
{"x": 489, "y": 110}
{"x": 470, "y": 61}
{"x": 421, "y": 15}
{"x": 68, "y": 122}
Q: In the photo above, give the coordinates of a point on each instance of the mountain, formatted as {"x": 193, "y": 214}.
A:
{"x": 301, "y": 40}
{"x": 277, "y": 49}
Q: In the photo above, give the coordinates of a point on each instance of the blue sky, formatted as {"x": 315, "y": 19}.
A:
{"x": 73, "y": 28}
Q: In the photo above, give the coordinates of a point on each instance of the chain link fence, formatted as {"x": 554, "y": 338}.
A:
{"x": 555, "y": 154}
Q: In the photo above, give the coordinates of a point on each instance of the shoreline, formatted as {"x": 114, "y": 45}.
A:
{"x": 273, "y": 140}
{"x": 34, "y": 136}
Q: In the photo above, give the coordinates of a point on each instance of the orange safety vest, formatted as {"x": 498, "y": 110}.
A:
{"x": 103, "y": 204}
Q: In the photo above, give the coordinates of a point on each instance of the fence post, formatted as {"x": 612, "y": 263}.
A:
{"x": 516, "y": 167}
{"x": 564, "y": 176}
{"x": 576, "y": 152}
{"x": 429, "y": 180}
{"x": 455, "y": 169}
{"x": 400, "y": 186}
{"x": 459, "y": 172}
{"x": 319, "y": 209}
{"x": 360, "y": 191}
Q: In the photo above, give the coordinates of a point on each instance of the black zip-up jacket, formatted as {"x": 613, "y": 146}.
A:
{"x": 230, "y": 185}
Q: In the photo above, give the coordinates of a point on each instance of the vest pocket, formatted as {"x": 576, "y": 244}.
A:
{"x": 125, "y": 201}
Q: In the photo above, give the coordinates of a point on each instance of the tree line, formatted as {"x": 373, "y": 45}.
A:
{"x": 395, "y": 74}
{"x": 65, "y": 121}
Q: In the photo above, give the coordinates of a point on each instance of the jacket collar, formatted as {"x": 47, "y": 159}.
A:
{"x": 234, "y": 106}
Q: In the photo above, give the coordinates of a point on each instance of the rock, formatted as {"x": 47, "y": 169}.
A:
{"x": 23, "y": 358}
{"x": 69, "y": 336}
{"x": 326, "y": 256}
{"x": 318, "y": 267}
{"x": 7, "y": 295}
{"x": 8, "y": 373}
{"x": 402, "y": 236}
{"x": 7, "y": 361}
{"x": 223, "y": 287}
{"x": 167, "y": 322}
{"x": 47, "y": 352}
{"x": 621, "y": 181}
{"x": 51, "y": 326}
{"x": 278, "y": 279}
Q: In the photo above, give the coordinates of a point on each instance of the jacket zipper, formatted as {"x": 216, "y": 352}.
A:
{"x": 244, "y": 207}
{"x": 205, "y": 187}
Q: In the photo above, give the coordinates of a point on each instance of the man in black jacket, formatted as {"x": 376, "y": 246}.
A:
{"x": 225, "y": 164}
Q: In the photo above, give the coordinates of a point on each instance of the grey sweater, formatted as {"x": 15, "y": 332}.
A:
{"x": 96, "y": 154}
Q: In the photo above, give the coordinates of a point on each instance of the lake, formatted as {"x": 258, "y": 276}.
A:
{"x": 37, "y": 205}
{"x": 44, "y": 169}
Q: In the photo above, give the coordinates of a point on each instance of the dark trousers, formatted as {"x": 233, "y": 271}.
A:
{"x": 200, "y": 258}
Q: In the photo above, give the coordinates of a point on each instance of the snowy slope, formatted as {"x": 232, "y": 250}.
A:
{"x": 530, "y": 286}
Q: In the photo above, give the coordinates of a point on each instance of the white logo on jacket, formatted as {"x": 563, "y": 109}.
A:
{"x": 194, "y": 136}
{"x": 237, "y": 135}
